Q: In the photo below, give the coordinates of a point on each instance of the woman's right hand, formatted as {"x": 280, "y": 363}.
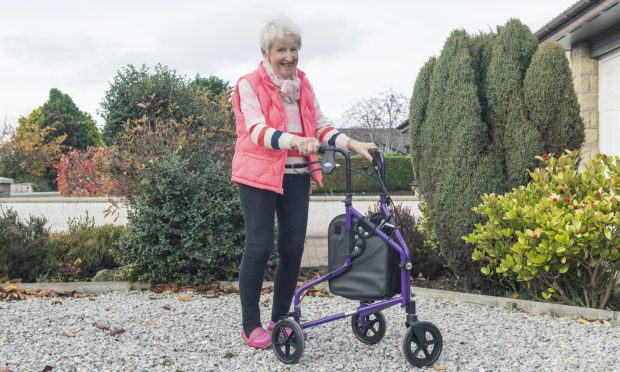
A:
{"x": 305, "y": 145}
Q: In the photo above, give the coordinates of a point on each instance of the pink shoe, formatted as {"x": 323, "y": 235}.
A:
{"x": 259, "y": 338}
{"x": 271, "y": 325}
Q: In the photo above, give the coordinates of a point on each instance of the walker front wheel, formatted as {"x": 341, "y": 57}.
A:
{"x": 371, "y": 330}
{"x": 288, "y": 342}
{"x": 422, "y": 344}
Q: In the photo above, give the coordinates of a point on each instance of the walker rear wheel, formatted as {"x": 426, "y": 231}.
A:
{"x": 372, "y": 331}
{"x": 288, "y": 341}
{"x": 423, "y": 351}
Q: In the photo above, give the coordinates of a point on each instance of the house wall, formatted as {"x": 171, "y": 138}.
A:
{"x": 585, "y": 80}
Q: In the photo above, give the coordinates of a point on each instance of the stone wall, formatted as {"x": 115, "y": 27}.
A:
{"x": 59, "y": 209}
{"x": 585, "y": 80}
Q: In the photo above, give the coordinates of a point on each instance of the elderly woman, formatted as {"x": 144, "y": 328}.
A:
{"x": 279, "y": 122}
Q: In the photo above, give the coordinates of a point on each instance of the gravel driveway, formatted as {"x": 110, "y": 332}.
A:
{"x": 163, "y": 333}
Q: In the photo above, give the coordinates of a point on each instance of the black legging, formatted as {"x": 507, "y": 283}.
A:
{"x": 259, "y": 207}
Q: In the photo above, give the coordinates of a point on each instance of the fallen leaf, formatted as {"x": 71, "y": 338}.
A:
{"x": 102, "y": 325}
{"x": 211, "y": 294}
{"x": 582, "y": 321}
{"x": 68, "y": 333}
{"x": 5, "y": 370}
{"x": 439, "y": 367}
{"x": 184, "y": 298}
{"x": 327, "y": 339}
{"x": 6, "y": 340}
{"x": 606, "y": 323}
{"x": 228, "y": 287}
{"x": 151, "y": 324}
{"x": 11, "y": 288}
{"x": 116, "y": 331}
{"x": 166, "y": 307}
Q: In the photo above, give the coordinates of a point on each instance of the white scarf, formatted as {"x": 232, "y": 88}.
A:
{"x": 289, "y": 88}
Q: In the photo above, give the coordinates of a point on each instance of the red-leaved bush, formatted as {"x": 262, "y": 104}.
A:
{"x": 86, "y": 173}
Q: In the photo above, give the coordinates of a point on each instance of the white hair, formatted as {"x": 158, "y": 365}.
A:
{"x": 277, "y": 29}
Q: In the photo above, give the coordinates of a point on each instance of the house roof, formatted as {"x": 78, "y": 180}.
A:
{"x": 395, "y": 139}
{"x": 596, "y": 21}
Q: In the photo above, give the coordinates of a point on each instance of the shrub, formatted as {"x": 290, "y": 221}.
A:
{"x": 398, "y": 175}
{"x": 86, "y": 247}
{"x": 186, "y": 223}
{"x": 417, "y": 111}
{"x": 143, "y": 141}
{"x": 86, "y": 173}
{"x": 516, "y": 138}
{"x": 559, "y": 234}
{"x": 475, "y": 133}
{"x": 25, "y": 250}
{"x": 425, "y": 258}
{"x": 552, "y": 102}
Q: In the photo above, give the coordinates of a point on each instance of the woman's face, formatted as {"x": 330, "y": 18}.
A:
{"x": 283, "y": 56}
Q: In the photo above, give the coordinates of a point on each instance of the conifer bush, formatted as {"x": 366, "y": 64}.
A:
{"x": 552, "y": 102}
{"x": 476, "y": 127}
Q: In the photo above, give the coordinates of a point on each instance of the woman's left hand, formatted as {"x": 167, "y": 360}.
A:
{"x": 361, "y": 148}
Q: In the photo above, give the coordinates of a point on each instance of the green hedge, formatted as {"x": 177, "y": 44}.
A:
{"x": 398, "y": 175}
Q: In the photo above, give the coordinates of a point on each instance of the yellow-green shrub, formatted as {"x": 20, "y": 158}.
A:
{"x": 559, "y": 234}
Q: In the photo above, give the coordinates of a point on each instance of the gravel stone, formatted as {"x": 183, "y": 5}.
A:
{"x": 204, "y": 335}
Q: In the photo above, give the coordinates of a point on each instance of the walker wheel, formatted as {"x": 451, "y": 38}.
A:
{"x": 372, "y": 331}
{"x": 426, "y": 350}
{"x": 287, "y": 338}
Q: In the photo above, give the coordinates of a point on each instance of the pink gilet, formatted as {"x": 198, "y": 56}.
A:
{"x": 255, "y": 165}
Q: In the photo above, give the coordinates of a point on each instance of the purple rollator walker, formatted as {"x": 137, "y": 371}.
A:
{"x": 363, "y": 241}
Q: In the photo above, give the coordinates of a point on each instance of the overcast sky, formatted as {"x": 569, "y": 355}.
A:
{"x": 351, "y": 49}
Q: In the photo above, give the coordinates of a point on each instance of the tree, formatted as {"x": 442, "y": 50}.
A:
{"x": 551, "y": 100}
{"x": 29, "y": 156}
{"x": 62, "y": 114}
{"x": 132, "y": 86}
{"x": 211, "y": 86}
{"x": 382, "y": 111}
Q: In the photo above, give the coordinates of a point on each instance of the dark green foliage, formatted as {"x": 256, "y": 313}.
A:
{"x": 469, "y": 167}
{"x": 186, "y": 225}
{"x": 516, "y": 142}
{"x": 417, "y": 111}
{"x": 475, "y": 131}
{"x": 481, "y": 52}
{"x": 132, "y": 87}
{"x": 212, "y": 86}
{"x": 61, "y": 113}
{"x": 87, "y": 246}
{"x": 398, "y": 176}
{"x": 25, "y": 250}
{"x": 552, "y": 103}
